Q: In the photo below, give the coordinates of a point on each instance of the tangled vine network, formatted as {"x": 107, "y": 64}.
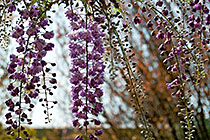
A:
{"x": 99, "y": 40}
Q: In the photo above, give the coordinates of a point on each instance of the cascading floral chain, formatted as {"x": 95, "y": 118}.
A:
{"x": 27, "y": 68}
{"x": 87, "y": 68}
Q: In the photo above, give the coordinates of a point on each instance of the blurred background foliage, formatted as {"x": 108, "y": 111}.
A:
{"x": 119, "y": 119}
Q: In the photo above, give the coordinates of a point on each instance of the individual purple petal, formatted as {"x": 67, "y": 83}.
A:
{"x": 98, "y": 132}
{"x": 48, "y": 35}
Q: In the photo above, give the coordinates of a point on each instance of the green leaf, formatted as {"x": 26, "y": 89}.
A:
{"x": 188, "y": 1}
{"x": 115, "y": 10}
{"x": 121, "y": 11}
{"x": 33, "y": 1}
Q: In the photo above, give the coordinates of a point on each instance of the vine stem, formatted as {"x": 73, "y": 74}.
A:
{"x": 130, "y": 72}
{"x": 45, "y": 92}
{"x": 131, "y": 82}
{"x": 22, "y": 70}
{"x": 21, "y": 87}
{"x": 86, "y": 86}
{"x": 155, "y": 10}
{"x": 182, "y": 91}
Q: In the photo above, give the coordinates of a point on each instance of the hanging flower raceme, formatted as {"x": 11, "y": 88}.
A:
{"x": 25, "y": 68}
{"x": 6, "y": 9}
{"x": 186, "y": 66}
{"x": 86, "y": 50}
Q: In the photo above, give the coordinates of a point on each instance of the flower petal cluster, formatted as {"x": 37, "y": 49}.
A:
{"x": 26, "y": 66}
{"x": 87, "y": 69}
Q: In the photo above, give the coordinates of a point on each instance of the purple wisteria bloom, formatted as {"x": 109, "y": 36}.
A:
{"x": 26, "y": 67}
{"x": 87, "y": 68}
{"x": 11, "y": 7}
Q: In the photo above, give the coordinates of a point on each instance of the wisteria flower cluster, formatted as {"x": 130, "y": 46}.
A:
{"x": 86, "y": 50}
{"x": 26, "y": 66}
{"x": 5, "y": 23}
{"x": 182, "y": 56}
